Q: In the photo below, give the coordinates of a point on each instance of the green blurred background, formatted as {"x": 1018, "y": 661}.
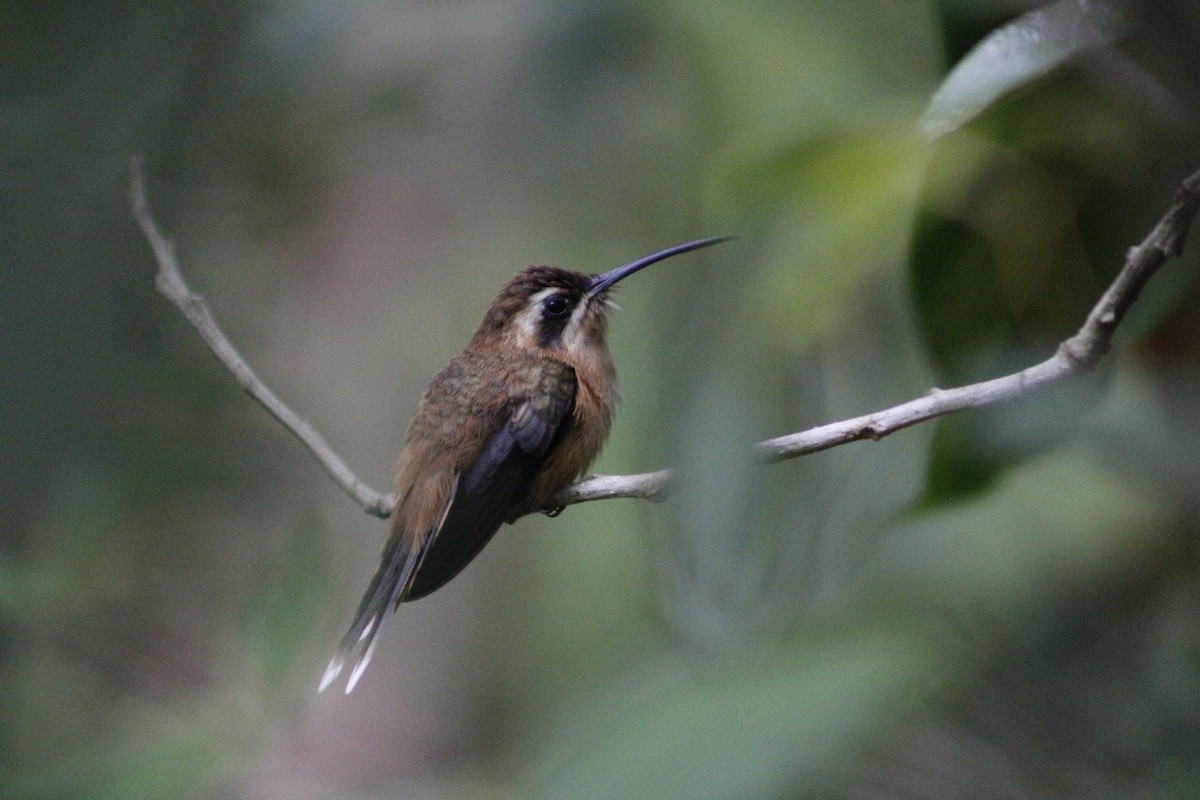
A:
{"x": 1004, "y": 604}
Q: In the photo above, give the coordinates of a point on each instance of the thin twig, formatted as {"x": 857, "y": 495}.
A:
{"x": 1075, "y": 355}
{"x": 651, "y": 486}
{"x": 169, "y": 282}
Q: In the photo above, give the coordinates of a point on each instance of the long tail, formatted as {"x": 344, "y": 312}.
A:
{"x": 395, "y": 572}
{"x": 399, "y": 564}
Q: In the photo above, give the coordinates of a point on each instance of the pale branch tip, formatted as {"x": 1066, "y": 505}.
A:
{"x": 1077, "y": 354}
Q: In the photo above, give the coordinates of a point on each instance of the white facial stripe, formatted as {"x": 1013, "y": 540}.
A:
{"x": 526, "y": 323}
{"x": 570, "y": 334}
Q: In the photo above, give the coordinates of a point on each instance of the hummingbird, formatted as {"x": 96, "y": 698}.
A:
{"x": 509, "y": 422}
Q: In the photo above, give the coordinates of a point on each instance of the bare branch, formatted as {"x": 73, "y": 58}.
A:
{"x": 652, "y": 486}
{"x": 1075, "y": 355}
{"x": 171, "y": 285}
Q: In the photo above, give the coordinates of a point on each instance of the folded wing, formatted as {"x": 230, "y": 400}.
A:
{"x": 416, "y": 562}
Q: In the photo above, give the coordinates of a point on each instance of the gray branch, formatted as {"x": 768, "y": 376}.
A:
{"x": 1076, "y": 355}
{"x": 170, "y": 283}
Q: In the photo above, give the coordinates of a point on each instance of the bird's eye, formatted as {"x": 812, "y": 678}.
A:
{"x": 556, "y": 305}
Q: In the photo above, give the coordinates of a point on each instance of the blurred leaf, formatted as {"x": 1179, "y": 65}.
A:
{"x": 753, "y": 727}
{"x": 780, "y": 73}
{"x": 831, "y": 213}
{"x": 972, "y": 449}
{"x": 956, "y": 467}
{"x": 959, "y": 302}
{"x": 996, "y": 284}
{"x": 958, "y": 297}
{"x": 1018, "y": 54}
{"x": 1050, "y": 525}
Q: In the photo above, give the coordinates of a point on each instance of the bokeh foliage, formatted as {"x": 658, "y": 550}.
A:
{"x": 999, "y": 604}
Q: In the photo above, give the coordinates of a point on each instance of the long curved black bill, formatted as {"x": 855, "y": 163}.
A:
{"x": 602, "y": 282}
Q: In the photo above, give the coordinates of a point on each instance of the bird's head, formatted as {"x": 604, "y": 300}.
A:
{"x": 558, "y": 311}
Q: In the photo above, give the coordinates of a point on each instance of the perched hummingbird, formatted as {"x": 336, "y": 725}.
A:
{"x": 513, "y": 419}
